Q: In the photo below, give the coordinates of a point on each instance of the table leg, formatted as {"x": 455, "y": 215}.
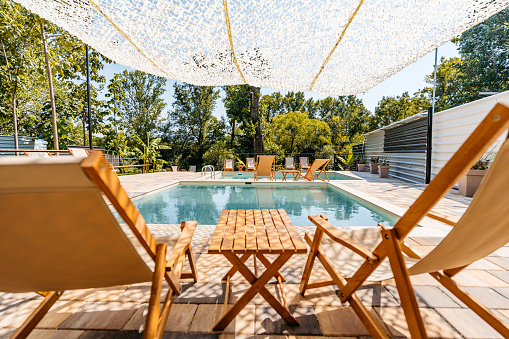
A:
{"x": 244, "y": 258}
{"x": 257, "y": 286}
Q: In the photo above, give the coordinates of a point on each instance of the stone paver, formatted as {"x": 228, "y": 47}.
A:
{"x": 119, "y": 311}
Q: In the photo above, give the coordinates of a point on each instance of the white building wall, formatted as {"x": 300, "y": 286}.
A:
{"x": 453, "y": 126}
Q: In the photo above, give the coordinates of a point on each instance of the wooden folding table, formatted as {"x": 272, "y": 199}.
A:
{"x": 241, "y": 234}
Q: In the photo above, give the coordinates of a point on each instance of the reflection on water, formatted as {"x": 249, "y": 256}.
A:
{"x": 205, "y": 202}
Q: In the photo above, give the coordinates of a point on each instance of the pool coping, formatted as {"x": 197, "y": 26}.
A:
{"x": 428, "y": 226}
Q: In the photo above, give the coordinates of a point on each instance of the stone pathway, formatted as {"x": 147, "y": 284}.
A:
{"x": 118, "y": 312}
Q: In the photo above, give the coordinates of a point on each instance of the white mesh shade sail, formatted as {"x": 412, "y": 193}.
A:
{"x": 333, "y": 47}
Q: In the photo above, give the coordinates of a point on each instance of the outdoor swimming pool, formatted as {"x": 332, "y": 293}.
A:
{"x": 279, "y": 176}
{"x": 204, "y": 203}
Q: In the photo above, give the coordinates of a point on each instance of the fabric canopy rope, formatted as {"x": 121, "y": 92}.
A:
{"x": 333, "y": 47}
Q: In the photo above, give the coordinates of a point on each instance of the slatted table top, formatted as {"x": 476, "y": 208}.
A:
{"x": 256, "y": 231}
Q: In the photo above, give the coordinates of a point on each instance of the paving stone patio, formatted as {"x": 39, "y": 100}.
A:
{"x": 118, "y": 312}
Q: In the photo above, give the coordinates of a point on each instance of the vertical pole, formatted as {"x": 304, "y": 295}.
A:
{"x": 429, "y": 136}
{"x": 88, "y": 103}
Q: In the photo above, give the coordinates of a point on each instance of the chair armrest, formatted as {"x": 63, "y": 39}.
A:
{"x": 341, "y": 237}
{"x": 440, "y": 217}
{"x": 182, "y": 243}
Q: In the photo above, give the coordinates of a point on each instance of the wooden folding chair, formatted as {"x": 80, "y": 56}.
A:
{"x": 228, "y": 165}
{"x": 359, "y": 253}
{"x": 58, "y": 234}
{"x": 303, "y": 163}
{"x": 250, "y": 164}
{"x": 318, "y": 164}
{"x": 265, "y": 167}
{"x": 289, "y": 164}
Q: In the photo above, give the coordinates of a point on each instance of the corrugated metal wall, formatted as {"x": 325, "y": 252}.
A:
{"x": 404, "y": 143}
{"x": 405, "y": 147}
{"x": 374, "y": 145}
{"x": 453, "y": 126}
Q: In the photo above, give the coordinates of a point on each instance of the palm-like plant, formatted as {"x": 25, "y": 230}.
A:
{"x": 149, "y": 151}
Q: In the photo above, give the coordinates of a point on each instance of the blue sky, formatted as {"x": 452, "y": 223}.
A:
{"x": 409, "y": 79}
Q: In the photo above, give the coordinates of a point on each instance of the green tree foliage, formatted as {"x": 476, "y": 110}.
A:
{"x": 275, "y": 104}
{"x": 296, "y": 133}
{"x": 192, "y": 125}
{"x": 236, "y": 103}
{"x": 484, "y": 51}
{"x": 482, "y": 67}
{"x": 448, "y": 85}
{"x": 137, "y": 99}
{"x": 392, "y": 109}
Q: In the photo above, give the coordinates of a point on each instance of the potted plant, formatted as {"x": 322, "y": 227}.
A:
{"x": 469, "y": 183}
{"x": 361, "y": 163}
{"x": 373, "y": 167}
{"x": 383, "y": 167}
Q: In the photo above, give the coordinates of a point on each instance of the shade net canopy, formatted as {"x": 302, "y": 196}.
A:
{"x": 332, "y": 47}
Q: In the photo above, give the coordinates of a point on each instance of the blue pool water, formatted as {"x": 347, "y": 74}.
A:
{"x": 205, "y": 202}
{"x": 279, "y": 176}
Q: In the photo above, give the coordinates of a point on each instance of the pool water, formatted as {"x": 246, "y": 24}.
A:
{"x": 279, "y": 176}
{"x": 205, "y": 202}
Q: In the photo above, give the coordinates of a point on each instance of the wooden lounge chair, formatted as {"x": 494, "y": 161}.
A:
{"x": 37, "y": 154}
{"x": 303, "y": 163}
{"x": 359, "y": 253}
{"x": 265, "y": 167}
{"x": 250, "y": 164}
{"x": 228, "y": 165}
{"x": 289, "y": 164}
{"x": 318, "y": 164}
{"x": 71, "y": 239}
{"x": 78, "y": 152}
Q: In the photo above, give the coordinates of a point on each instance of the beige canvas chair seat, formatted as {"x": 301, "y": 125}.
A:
{"x": 78, "y": 152}
{"x": 303, "y": 163}
{"x": 265, "y": 167}
{"x": 250, "y": 164}
{"x": 289, "y": 164}
{"x": 228, "y": 165}
{"x": 483, "y": 228}
{"x": 58, "y": 233}
{"x": 318, "y": 164}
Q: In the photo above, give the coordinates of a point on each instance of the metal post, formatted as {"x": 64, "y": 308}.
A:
{"x": 89, "y": 105}
{"x": 429, "y": 136}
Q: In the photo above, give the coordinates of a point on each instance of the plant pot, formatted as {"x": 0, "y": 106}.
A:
{"x": 361, "y": 167}
{"x": 383, "y": 171}
{"x": 470, "y": 182}
{"x": 373, "y": 168}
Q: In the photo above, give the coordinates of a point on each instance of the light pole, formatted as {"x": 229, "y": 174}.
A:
{"x": 88, "y": 103}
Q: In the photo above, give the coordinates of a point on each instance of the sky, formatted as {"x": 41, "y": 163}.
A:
{"x": 409, "y": 79}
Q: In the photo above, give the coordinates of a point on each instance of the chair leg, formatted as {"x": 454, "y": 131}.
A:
{"x": 313, "y": 251}
{"x": 35, "y": 317}
{"x": 482, "y": 311}
{"x": 152, "y": 320}
{"x": 405, "y": 289}
{"x": 192, "y": 263}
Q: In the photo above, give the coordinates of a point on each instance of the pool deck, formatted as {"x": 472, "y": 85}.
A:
{"x": 117, "y": 312}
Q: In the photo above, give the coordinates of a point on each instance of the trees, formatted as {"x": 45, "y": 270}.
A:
{"x": 191, "y": 121}
{"x": 254, "y": 108}
{"x": 237, "y": 103}
{"x": 484, "y": 51}
{"x": 392, "y": 109}
{"x": 17, "y": 28}
{"x": 296, "y": 133}
{"x": 138, "y": 101}
{"x": 448, "y": 85}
